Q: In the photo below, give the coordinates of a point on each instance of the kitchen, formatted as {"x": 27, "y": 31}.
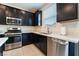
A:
{"x": 49, "y": 27}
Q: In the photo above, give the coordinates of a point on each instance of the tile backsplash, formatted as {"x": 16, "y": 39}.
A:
{"x": 72, "y": 28}
{"x": 25, "y": 29}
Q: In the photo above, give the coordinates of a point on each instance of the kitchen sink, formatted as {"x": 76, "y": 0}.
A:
{"x": 45, "y": 33}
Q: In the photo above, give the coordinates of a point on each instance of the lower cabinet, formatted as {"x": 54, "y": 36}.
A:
{"x": 41, "y": 42}
{"x": 26, "y": 38}
{"x": 1, "y": 50}
{"x": 71, "y": 50}
{"x": 1, "y": 53}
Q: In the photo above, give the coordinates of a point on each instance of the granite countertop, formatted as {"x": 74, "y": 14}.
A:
{"x": 68, "y": 38}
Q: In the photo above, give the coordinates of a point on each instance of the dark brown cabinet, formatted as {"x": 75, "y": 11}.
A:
{"x": 66, "y": 11}
{"x": 1, "y": 52}
{"x": 71, "y": 47}
{"x": 21, "y": 14}
{"x": 26, "y": 39}
{"x": 2, "y": 49}
{"x": 11, "y": 12}
{"x": 28, "y": 18}
{"x": 43, "y": 44}
{"x": 2, "y": 14}
{"x": 40, "y": 42}
{"x": 38, "y": 18}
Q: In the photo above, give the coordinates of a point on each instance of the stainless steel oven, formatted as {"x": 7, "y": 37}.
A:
{"x": 15, "y": 38}
{"x": 13, "y": 21}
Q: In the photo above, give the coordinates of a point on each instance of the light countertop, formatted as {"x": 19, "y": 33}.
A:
{"x": 68, "y": 38}
{"x": 3, "y": 40}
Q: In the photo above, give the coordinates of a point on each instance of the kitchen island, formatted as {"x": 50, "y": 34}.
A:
{"x": 2, "y": 42}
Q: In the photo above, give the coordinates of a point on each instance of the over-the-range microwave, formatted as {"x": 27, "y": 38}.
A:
{"x": 13, "y": 21}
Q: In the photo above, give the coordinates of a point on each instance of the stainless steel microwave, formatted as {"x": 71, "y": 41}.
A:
{"x": 13, "y": 21}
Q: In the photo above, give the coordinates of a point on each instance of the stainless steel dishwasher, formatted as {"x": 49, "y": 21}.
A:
{"x": 57, "y": 47}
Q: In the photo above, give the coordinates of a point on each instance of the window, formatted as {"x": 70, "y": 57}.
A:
{"x": 49, "y": 15}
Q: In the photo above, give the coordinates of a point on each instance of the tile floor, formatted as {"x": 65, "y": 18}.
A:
{"x": 28, "y": 50}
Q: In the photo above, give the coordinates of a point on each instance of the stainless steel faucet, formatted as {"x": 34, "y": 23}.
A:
{"x": 48, "y": 29}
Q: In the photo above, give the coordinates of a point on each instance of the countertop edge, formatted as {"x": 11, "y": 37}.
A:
{"x": 3, "y": 40}
{"x": 60, "y": 37}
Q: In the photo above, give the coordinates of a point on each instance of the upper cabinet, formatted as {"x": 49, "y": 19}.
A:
{"x": 9, "y": 12}
{"x": 66, "y": 11}
{"x": 2, "y": 14}
{"x": 12, "y": 12}
{"x": 38, "y": 18}
{"x": 28, "y": 18}
{"x": 32, "y": 19}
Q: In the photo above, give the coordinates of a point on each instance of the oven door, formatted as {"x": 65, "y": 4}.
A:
{"x": 17, "y": 39}
{"x": 14, "y": 39}
{"x": 13, "y": 42}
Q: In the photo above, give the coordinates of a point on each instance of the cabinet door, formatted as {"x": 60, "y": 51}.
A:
{"x": 43, "y": 44}
{"x": 28, "y": 19}
{"x": 59, "y": 11}
{"x": 26, "y": 39}
{"x": 36, "y": 40}
{"x": 2, "y": 14}
{"x": 40, "y": 42}
{"x": 1, "y": 51}
{"x": 15, "y": 12}
{"x": 66, "y": 11}
{"x": 38, "y": 18}
{"x": 71, "y": 51}
{"x": 25, "y": 20}
{"x": 9, "y": 11}
{"x": 69, "y": 11}
{"x": 21, "y": 14}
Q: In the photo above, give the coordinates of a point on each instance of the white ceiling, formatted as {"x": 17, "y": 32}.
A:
{"x": 27, "y": 6}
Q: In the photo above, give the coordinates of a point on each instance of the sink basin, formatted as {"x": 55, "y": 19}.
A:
{"x": 45, "y": 33}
